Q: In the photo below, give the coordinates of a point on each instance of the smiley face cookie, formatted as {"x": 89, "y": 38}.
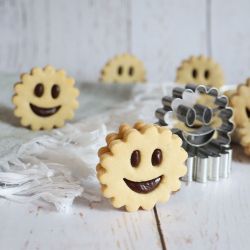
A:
{"x": 200, "y": 70}
{"x": 240, "y": 102}
{"x": 123, "y": 69}
{"x": 45, "y": 98}
{"x": 141, "y": 166}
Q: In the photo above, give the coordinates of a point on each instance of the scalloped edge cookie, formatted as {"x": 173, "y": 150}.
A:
{"x": 190, "y": 71}
{"x": 124, "y": 68}
{"x": 115, "y": 166}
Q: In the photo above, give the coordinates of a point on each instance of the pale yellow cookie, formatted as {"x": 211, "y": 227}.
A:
{"x": 141, "y": 166}
{"x": 239, "y": 100}
{"x": 200, "y": 70}
{"x": 242, "y": 136}
{"x": 124, "y": 68}
{"x": 45, "y": 98}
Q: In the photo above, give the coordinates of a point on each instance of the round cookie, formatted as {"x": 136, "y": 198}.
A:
{"x": 240, "y": 102}
{"x": 124, "y": 68}
{"x": 141, "y": 166}
{"x": 45, "y": 98}
{"x": 200, "y": 70}
{"x": 242, "y": 136}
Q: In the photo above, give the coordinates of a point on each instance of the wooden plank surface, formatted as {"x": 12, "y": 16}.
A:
{"x": 86, "y": 226}
{"x": 230, "y": 36}
{"x": 82, "y": 35}
{"x": 210, "y": 216}
{"x": 201, "y": 216}
{"x": 79, "y": 36}
{"x": 166, "y": 32}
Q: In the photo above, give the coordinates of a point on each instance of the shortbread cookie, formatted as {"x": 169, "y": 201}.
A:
{"x": 45, "y": 98}
{"x": 242, "y": 136}
{"x": 124, "y": 68}
{"x": 200, "y": 70}
{"x": 240, "y": 102}
{"x": 141, "y": 166}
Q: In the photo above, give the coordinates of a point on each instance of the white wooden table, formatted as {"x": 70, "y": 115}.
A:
{"x": 200, "y": 216}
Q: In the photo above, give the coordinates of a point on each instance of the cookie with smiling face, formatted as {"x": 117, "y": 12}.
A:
{"x": 141, "y": 166}
{"x": 45, "y": 98}
{"x": 124, "y": 68}
{"x": 240, "y": 102}
{"x": 200, "y": 70}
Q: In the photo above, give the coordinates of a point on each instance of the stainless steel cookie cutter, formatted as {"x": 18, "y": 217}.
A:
{"x": 202, "y": 118}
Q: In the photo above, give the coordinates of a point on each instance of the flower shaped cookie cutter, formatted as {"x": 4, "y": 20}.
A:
{"x": 202, "y": 118}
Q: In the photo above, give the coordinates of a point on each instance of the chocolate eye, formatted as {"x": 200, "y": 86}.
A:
{"x": 55, "y": 91}
{"x": 248, "y": 112}
{"x": 206, "y": 74}
{"x": 135, "y": 158}
{"x": 39, "y": 90}
{"x": 195, "y": 73}
{"x": 156, "y": 157}
{"x": 131, "y": 71}
{"x": 120, "y": 70}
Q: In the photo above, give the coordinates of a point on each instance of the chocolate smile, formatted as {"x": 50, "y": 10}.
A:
{"x": 143, "y": 187}
{"x": 44, "y": 112}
